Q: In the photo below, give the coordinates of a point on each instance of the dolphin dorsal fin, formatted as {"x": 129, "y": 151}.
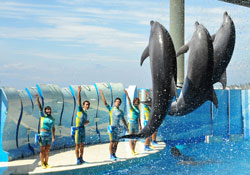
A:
{"x": 182, "y": 50}
{"x": 144, "y": 55}
{"x": 173, "y": 91}
{"x": 223, "y": 80}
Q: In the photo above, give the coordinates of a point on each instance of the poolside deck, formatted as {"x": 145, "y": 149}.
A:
{"x": 97, "y": 156}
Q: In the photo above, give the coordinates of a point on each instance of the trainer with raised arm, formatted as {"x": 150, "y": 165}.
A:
{"x": 81, "y": 121}
{"x": 47, "y": 133}
{"x": 134, "y": 122}
{"x": 116, "y": 115}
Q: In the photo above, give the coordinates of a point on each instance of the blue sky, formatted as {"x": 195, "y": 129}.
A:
{"x": 67, "y": 42}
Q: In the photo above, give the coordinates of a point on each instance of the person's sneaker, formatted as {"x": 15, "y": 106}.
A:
{"x": 134, "y": 153}
{"x": 44, "y": 166}
{"x": 151, "y": 146}
{"x": 147, "y": 148}
{"x": 78, "y": 162}
{"x": 48, "y": 166}
{"x": 113, "y": 157}
{"x": 117, "y": 158}
{"x": 154, "y": 143}
{"x": 82, "y": 161}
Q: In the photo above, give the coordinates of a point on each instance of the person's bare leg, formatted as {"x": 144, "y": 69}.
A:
{"x": 154, "y": 136}
{"x": 134, "y": 143}
{"x": 111, "y": 147}
{"x": 42, "y": 154}
{"x": 47, "y": 148}
{"x": 77, "y": 151}
{"x": 115, "y": 146}
{"x": 81, "y": 149}
{"x": 131, "y": 145}
{"x": 147, "y": 141}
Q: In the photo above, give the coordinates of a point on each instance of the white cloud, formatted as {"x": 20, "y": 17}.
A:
{"x": 74, "y": 58}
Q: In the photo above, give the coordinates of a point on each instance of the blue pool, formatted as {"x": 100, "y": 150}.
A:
{"x": 220, "y": 158}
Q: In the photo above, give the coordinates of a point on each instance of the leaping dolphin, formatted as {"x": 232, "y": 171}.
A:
{"x": 163, "y": 70}
{"x": 223, "y": 44}
{"x": 198, "y": 85}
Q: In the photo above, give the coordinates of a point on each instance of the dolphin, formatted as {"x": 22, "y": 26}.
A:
{"x": 198, "y": 85}
{"x": 223, "y": 44}
{"x": 162, "y": 56}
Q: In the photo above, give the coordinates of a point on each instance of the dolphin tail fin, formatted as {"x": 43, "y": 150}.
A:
{"x": 214, "y": 99}
{"x": 144, "y": 55}
{"x": 223, "y": 80}
{"x": 182, "y": 50}
{"x": 173, "y": 91}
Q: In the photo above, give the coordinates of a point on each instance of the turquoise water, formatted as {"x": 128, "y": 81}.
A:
{"x": 229, "y": 158}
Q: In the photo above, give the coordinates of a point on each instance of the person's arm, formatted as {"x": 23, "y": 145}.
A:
{"x": 129, "y": 101}
{"x": 147, "y": 95}
{"x": 124, "y": 122}
{"x": 53, "y": 134}
{"x": 151, "y": 92}
{"x": 38, "y": 102}
{"x": 79, "y": 95}
{"x": 139, "y": 122}
{"x": 86, "y": 122}
{"x": 103, "y": 98}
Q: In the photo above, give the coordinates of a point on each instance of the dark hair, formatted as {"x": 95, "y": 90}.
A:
{"x": 135, "y": 100}
{"x": 47, "y": 107}
{"x": 118, "y": 99}
{"x": 86, "y": 101}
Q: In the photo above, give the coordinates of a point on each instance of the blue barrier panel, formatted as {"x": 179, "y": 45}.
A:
{"x": 189, "y": 127}
{"x": 25, "y": 130}
{"x": 34, "y": 117}
{"x": 67, "y": 115}
{"x": 245, "y": 112}
{"x": 10, "y": 128}
{"x": 221, "y": 115}
{"x": 235, "y": 112}
{"x": 102, "y": 111}
{"x": 3, "y": 111}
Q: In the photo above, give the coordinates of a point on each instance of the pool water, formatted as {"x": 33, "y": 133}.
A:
{"x": 229, "y": 158}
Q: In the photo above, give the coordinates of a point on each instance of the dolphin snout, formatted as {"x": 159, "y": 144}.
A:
{"x": 173, "y": 110}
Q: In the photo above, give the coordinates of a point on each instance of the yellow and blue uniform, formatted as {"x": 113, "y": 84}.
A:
{"x": 81, "y": 118}
{"x": 116, "y": 115}
{"x": 134, "y": 114}
{"x": 47, "y": 122}
{"x": 146, "y": 114}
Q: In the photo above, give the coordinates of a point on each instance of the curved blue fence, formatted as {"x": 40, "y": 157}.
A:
{"x": 19, "y": 116}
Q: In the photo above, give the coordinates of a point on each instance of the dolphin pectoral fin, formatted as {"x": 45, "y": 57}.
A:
{"x": 213, "y": 37}
{"x": 182, "y": 50}
{"x": 173, "y": 91}
{"x": 215, "y": 100}
{"x": 223, "y": 80}
{"x": 144, "y": 55}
